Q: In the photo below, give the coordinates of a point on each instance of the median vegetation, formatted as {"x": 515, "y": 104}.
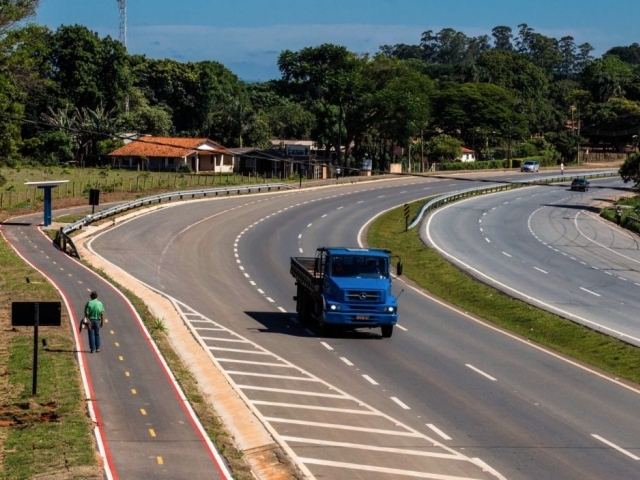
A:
{"x": 430, "y": 271}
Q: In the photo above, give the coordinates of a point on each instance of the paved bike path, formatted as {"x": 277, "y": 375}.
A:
{"x": 144, "y": 426}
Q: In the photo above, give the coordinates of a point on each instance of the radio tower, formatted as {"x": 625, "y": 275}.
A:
{"x": 122, "y": 24}
{"x": 122, "y": 37}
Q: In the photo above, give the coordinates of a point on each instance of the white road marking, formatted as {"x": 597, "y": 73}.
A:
{"x": 309, "y": 225}
{"x": 326, "y": 345}
{"x": 488, "y": 241}
{"x": 251, "y": 362}
{"x": 481, "y": 372}
{"x": 269, "y": 299}
{"x": 294, "y": 392}
{"x": 370, "y": 380}
{"x": 283, "y": 310}
{"x": 300, "y": 250}
{"x": 589, "y": 291}
{"x": 403, "y": 405}
{"x": 329, "y": 443}
{"x": 346, "y": 361}
{"x": 343, "y": 427}
{"x": 261, "y": 291}
{"x": 616, "y": 447}
{"x": 230, "y": 340}
{"x": 339, "y": 208}
{"x": 299, "y": 236}
{"x": 540, "y": 270}
{"x": 315, "y": 407}
{"x": 438, "y": 431}
{"x": 505, "y": 253}
{"x": 402, "y": 328}
{"x": 271, "y": 375}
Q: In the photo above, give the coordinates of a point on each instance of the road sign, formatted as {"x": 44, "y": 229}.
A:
{"x": 23, "y": 314}
{"x": 34, "y": 314}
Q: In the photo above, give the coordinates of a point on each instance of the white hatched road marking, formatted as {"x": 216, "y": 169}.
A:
{"x": 438, "y": 431}
{"x": 298, "y": 403}
{"x": 359, "y": 446}
{"x": 403, "y": 405}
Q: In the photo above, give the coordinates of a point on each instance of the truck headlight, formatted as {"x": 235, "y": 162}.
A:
{"x": 334, "y": 307}
{"x": 391, "y": 309}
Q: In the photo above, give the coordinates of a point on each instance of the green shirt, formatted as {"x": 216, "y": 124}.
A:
{"x": 94, "y": 309}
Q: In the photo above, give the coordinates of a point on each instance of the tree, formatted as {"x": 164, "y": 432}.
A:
{"x": 502, "y": 37}
{"x": 89, "y": 71}
{"x": 630, "y": 171}
{"x": 606, "y": 78}
{"x": 526, "y": 82}
{"x": 323, "y": 78}
{"x": 443, "y": 148}
{"x": 477, "y": 110}
{"x": 13, "y": 12}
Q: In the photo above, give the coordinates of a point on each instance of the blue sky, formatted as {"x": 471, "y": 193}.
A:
{"x": 247, "y": 35}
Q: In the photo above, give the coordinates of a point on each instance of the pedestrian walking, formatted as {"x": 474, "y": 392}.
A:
{"x": 618, "y": 215}
{"x": 562, "y": 168}
{"x": 94, "y": 312}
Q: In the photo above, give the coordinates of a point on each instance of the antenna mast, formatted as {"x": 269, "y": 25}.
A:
{"x": 122, "y": 37}
{"x": 122, "y": 25}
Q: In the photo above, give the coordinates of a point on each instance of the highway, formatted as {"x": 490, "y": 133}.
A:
{"x": 448, "y": 396}
{"x": 547, "y": 246}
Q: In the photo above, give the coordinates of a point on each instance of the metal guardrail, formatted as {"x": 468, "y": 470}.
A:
{"x": 498, "y": 187}
{"x": 64, "y": 242}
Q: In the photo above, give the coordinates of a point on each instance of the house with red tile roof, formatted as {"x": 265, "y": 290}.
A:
{"x": 467, "y": 155}
{"x": 170, "y": 153}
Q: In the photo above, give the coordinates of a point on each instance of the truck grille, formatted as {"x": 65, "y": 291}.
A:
{"x": 369, "y": 296}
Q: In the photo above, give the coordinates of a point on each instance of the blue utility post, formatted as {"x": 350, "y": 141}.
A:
{"x": 46, "y": 187}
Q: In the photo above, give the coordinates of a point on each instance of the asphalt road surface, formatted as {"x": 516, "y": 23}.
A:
{"x": 144, "y": 428}
{"x": 448, "y": 396}
{"x": 548, "y": 246}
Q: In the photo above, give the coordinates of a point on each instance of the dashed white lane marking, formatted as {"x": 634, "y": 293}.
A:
{"x": 540, "y": 270}
{"x": 283, "y": 310}
{"x": 299, "y": 236}
{"x": 402, "y": 328}
{"x": 438, "y": 431}
{"x": 326, "y": 345}
{"x": 616, "y": 447}
{"x": 300, "y": 250}
{"x": 370, "y": 380}
{"x": 481, "y": 372}
{"x": 589, "y": 291}
{"x": 346, "y": 361}
{"x": 323, "y": 216}
{"x": 506, "y": 254}
{"x": 309, "y": 225}
{"x": 261, "y": 291}
{"x": 402, "y": 405}
{"x": 488, "y": 241}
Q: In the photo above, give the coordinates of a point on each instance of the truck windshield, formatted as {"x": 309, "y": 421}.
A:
{"x": 359, "y": 266}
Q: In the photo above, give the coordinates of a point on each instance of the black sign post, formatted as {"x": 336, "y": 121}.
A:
{"x": 94, "y": 199}
{"x": 34, "y": 314}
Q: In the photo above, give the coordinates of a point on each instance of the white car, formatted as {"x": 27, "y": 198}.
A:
{"x": 530, "y": 166}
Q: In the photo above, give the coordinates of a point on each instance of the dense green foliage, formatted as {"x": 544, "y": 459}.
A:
{"x": 64, "y": 92}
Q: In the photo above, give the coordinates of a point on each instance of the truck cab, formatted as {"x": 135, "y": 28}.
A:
{"x": 347, "y": 288}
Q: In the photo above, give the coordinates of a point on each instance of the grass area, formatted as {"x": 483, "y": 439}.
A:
{"x": 115, "y": 183}
{"x": 51, "y": 432}
{"x": 432, "y": 272}
{"x": 630, "y": 210}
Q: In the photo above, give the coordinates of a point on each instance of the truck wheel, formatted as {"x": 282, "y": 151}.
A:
{"x": 387, "y": 330}
{"x": 326, "y": 330}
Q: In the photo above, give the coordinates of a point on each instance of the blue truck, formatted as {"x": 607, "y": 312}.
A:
{"x": 346, "y": 288}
